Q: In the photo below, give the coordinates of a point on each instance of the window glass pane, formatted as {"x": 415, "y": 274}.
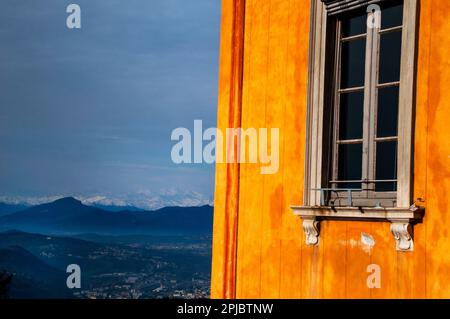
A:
{"x": 350, "y": 165}
{"x": 392, "y": 15}
{"x": 387, "y": 118}
{"x": 353, "y": 63}
{"x": 390, "y": 54}
{"x": 354, "y": 25}
{"x": 386, "y": 167}
{"x": 351, "y": 116}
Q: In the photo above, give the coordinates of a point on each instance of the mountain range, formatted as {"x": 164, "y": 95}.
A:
{"x": 140, "y": 200}
{"x": 69, "y": 215}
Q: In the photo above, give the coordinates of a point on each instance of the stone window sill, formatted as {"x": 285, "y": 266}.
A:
{"x": 402, "y": 220}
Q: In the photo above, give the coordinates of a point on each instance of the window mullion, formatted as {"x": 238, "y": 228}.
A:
{"x": 373, "y": 107}
{"x": 368, "y": 92}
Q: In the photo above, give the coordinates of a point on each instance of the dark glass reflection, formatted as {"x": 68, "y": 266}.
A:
{"x": 390, "y": 55}
{"x": 350, "y": 165}
{"x": 354, "y": 25}
{"x": 353, "y": 63}
{"x": 387, "y": 118}
{"x": 386, "y": 167}
{"x": 392, "y": 15}
{"x": 351, "y": 116}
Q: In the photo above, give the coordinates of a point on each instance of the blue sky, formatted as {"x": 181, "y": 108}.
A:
{"x": 89, "y": 112}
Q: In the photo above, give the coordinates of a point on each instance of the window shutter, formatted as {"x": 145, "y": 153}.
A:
{"x": 339, "y": 6}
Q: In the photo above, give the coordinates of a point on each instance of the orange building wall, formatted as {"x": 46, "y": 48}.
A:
{"x": 259, "y": 249}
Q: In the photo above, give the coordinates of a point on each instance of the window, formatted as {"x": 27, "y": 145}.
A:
{"x": 365, "y": 108}
{"x": 360, "y": 117}
{"x": 361, "y": 104}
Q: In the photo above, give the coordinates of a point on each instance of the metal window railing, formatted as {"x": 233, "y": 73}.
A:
{"x": 349, "y": 192}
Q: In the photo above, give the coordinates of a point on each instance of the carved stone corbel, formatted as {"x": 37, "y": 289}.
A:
{"x": 311, "y": 230}
{"x": 402, "y": 231}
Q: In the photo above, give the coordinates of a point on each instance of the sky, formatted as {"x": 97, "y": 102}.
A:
{"x": 89, "y": 112}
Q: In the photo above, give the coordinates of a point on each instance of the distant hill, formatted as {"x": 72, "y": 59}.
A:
{"x": 109, "y": 269}
{"x": 68, "y": 215}
{"x": 55, "y": 251}
{"x": 19, "y": 260}
{"x": 32, "y": 278}
{"x": 6, "y": 209}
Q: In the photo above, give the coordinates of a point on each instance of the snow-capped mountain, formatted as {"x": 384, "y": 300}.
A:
{"x": 144, "y": 199}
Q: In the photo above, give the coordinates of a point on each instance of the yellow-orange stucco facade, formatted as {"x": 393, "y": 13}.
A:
{"x": 259, "y": 248}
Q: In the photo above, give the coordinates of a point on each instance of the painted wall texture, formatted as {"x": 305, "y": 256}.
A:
{"x": 259, "y": 249}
